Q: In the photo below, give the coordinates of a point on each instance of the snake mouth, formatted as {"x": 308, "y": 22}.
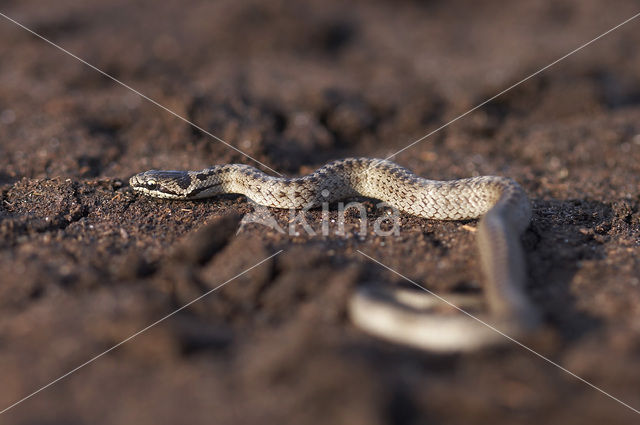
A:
{"x": 158, "y": 192}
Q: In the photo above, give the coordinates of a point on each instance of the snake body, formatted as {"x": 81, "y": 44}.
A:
{"x": 396, "y": 315}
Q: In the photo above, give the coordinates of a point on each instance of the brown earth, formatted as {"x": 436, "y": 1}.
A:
{"x": 85, "y": 263}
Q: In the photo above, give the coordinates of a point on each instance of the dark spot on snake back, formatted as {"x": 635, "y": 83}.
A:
{"x": 184, "y": 181}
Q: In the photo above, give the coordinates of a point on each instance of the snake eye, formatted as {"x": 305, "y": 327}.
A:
{"x": 151, "y": 185}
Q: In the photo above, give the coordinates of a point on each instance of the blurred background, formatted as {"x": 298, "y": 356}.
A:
{"x": 84, "y": 263}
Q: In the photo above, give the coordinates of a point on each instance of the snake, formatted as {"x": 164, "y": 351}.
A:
{"x": 399, "y": 315}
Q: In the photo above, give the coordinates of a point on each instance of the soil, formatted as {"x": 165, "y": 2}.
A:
{"x": 85, "y": 263}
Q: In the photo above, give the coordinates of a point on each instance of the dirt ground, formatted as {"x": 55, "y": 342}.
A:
{"x": 85, "y": 262}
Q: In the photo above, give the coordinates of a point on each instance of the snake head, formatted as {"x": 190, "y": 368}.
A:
{"x": 162, "y": 184}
